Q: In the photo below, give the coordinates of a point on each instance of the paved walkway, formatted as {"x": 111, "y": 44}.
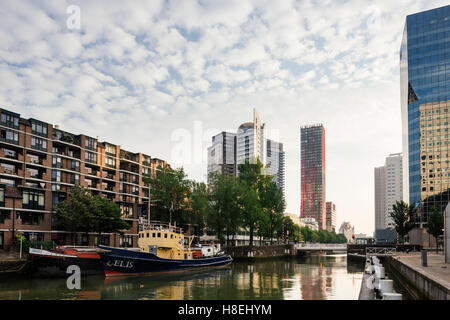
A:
{"x": 436, "y": 270}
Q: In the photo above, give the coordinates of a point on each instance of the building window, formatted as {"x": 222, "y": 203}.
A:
{"x": 37, "y": 143}
{"x": 33, "y": 199}
{"x": 2, "y": 197}
{"x": 56, "y": 175}
{"x": 90, "y": 157}
{"x": 90, "y": 143}
{"x": 110, "y": 149}
{"x": 126, "y": 241}
{"x": 10, "y": 120}
{"x": 39, "y": 128}
{"x": 110, "y": 162}
{"x": 9, "y": 136}
{"x": 75, "y": 165}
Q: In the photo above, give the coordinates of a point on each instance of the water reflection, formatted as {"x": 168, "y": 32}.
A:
{"x": 316, "y": 277}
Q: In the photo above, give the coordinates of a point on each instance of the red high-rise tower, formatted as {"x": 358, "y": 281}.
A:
{"x": 313, "y": 173}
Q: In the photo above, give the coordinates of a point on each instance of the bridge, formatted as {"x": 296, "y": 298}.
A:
{"x": 320, "y": 247}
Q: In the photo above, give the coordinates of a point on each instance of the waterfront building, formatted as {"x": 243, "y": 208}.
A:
{"x": 40, "y": 164}
{"x": 310, "y": 223}
{"x": 222, "y": 154}
{"x": 347, "y": 230}
{"x": 312, "y": 165}
{"x": 425, "y": 104}
{"x": 331, "y": 216}
{"x": 228, "y": 150}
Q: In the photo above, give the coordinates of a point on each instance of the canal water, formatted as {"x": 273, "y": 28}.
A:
{"x": 321, "y": 277}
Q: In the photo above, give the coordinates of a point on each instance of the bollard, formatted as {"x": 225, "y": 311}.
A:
{"x": 379, "y": 272}
{"x": 386, "y": 286}
{"x": 392, "y": 296}
{"x": 424, "y": 258}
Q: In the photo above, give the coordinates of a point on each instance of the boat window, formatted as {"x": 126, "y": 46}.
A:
{"x": 171, "y": 236}
{"x": 185, "y": 256}
{"x": 148, "y": 234}
{"x": 165, "y": 235}
{"x": 153, "y": 234}
{"x": 159, "y": 234}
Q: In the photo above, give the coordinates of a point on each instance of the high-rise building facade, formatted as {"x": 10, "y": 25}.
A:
{"x": 275, "y": 162}
{"x": 331, "y": 216}
{"x": 312, "y": 140}
{"x": 380, "y": 197}
{"x": 388, "y": 190}
{"x": 40, "y": 164}
{"x": 222, "y": 154}
{"x": 394, "y": 186}
{"x": 425, "y": 104}
{"x": 251, "y": 141}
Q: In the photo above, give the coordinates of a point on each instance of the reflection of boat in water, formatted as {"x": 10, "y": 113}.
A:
{"x": 162, "y": 249}
{"x": 54, "y": 263}
{"x": 166, "y": 286}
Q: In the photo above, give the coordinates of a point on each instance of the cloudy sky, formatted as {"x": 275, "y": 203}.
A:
{"x": 161, "y": 77}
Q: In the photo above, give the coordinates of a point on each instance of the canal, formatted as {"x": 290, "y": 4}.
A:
{"x": 320, "y": 277}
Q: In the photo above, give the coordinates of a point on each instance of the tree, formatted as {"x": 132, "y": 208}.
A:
{"x": 170, "y": 190}
{"x": 435, "y": 224}
{"x": 83, "y": 212}
{"x": 224, "y": 214}
{"x": 273, "y": 205}
{"x": 403, "y": 216}
{"x": 252, "y": 181}
{"x": 199, "y": 206}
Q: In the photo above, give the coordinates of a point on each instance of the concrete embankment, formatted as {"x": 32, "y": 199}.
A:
{"x": 430, "y": 282}
{"x": 260, "y": 252}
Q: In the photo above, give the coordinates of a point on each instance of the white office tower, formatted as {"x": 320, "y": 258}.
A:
{"x": 394, "y": 185}
{"x": 275, "y": 162}
{"x": 251, "y": 141}
{"x": 222, "y": 154}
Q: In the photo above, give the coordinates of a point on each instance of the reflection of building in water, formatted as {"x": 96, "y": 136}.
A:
{"x": 313, "y": 284}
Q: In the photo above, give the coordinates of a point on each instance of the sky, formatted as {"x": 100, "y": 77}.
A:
{"x": 162, "y": 77}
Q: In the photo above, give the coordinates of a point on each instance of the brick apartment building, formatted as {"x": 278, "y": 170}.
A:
{"x": 39, "y": 165}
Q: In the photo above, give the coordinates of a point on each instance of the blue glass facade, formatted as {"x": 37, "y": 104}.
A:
{"x": 425, "y": 95}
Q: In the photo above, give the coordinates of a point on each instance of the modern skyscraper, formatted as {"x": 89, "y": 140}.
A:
{"x": 313, "y": 173}
{"x": 228, "y": 150}
{"x": 275, "y": 162}
{"x": 425, "y": 101}
{"x": 331, "y": 216}
{"x": 251, "y": 141}
{"x": 222, "y": 154}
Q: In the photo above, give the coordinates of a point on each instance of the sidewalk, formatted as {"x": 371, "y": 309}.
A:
{"x": 437, "y": 270}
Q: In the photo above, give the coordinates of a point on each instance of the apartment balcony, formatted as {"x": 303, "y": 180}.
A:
{"x": 66, "y": 139}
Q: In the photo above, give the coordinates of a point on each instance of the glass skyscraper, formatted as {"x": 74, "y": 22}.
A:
{"x": 425, "y": 104}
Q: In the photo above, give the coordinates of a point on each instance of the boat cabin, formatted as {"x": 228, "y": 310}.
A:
{"x": 165, "y": 241}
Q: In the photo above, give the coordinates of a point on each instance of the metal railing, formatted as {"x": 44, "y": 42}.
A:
{"x": 385, "y": 251}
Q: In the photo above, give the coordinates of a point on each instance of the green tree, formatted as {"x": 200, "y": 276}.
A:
{"x": 403, "y": 218}
{"x": 199, "y": 206}
{"x": 170, "y": 190}
{"x": 435, "y": 224}
{"x": 273, "y": 205}
{"x": 252, "y": 180}
{"x": 83, "y": 212}
{"x": 224, "y": 213}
